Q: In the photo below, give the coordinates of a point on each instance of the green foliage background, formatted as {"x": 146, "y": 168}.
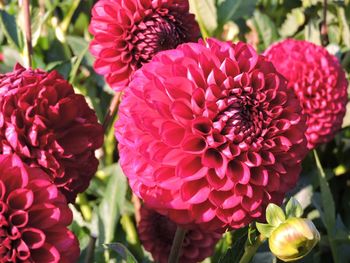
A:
{"x": 105, "y": 213}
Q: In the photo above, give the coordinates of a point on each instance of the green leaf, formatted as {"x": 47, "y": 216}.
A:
{"x": 37, "y": 21}
{"x": 326, "y": 194}
{"x": 265, "y": 229}
{"x": 206, "y": 15}
{"x": 274, "y": 215}
{"x": 294, "y": 20}
{"x": 312, "y": 32}
{"x": 112, "y": 203}
{"x": 9, "y": 26}
{"x": 266, "y": 29}
{"x": 344, "y": 27}
{"x": 234, "y": 9}
{"x": 293, "y": 208}
{"x": 122, "y": 251}
{"x": 328, "y": 207}
{"x": 235, "y": 253}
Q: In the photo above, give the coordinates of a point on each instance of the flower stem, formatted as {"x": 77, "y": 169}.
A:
{"x": 177, "y": 244}
{"x": 250, "y": 249}
{"x": 90, "y": 252}
{"x": 28, "y": 33}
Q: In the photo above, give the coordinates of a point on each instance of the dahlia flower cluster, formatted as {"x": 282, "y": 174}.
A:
{"x": 48, "y": 138}
{"x": 319, "y": 82}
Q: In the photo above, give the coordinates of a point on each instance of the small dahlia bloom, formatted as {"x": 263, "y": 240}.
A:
{"x": 47, "y": 125}
{"x": 34, "y": 216}
{"x": 157, "y": 232}
{"x": 128, "y": 33}
{"x": 319, "y": 82}
{"x": 209, "y": 134}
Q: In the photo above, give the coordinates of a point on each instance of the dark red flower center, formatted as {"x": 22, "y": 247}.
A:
{"x": 157, "y": 32}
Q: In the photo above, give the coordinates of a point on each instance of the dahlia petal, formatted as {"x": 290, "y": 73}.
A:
{"x": 46, "y": 254}
{"x": 195, "y": 192}
{"x": 34, "y": 238}
{"x": 19, "y": 218}
{"x": 238, "y": 172}
{"x": 180, "y": 109}
{"x": 23, "y": 252}
{"x": 194, "y": 144}
{"x": 191, "y": 168}
{"x": 20, "y": 199}
{"x": 172, "y": 133}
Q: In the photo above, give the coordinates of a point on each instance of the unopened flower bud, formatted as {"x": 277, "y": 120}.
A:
{"x": 293, "y": 239}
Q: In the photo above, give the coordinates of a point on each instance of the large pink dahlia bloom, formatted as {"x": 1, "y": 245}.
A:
{"x": 34, "y": 216}
{"x": 128, "y": 33}
{"x": 45, "y": 123}
{"x": 157, "y": 232}
{"x": 318, "y": 81}
{"x": 209, "y": 134}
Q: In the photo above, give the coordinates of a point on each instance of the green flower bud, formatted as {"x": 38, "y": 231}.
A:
{"x": 293, "y": 239}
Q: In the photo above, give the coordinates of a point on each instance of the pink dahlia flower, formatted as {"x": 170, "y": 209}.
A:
{"x": 157, "y": 232}
{"x": 47, "y": 125}
{"x": 318, "y": 81}
{"x": 128, "y": 33}
{"x": 33, "y": 216}
{"x": 209, "y": 134}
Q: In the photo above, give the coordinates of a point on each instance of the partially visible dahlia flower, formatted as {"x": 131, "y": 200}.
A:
{"x": 46, "y": 124}
{"x": 128, "y": 33}
{"x": 34, "y": 216}
{"x": 209, "y": 134}
{"x": 318, "y": 81}
{"x": 157, "y": 232}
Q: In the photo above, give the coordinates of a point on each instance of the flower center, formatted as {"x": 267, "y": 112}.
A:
{"x": 160, "y": 31}
{"x": 240, "y": 120}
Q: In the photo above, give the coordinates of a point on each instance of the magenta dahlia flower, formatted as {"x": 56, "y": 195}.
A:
{"x": 209, "y": 134}
{"x": 128, "y": 33}
{"x": 319, "y": 82}
{"x": 157, "y": 232}
{"x": 34, "y": 216}
{"x": 47, "y": 125}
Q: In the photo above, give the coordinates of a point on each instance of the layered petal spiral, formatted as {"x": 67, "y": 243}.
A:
{"x": 209, "y": 134}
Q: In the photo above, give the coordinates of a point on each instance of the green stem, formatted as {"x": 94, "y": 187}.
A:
{"x": 131, "y": 235}
{"x": 67, "y": 20}
{"x": 84, "y": 207}
{"x": 177, "y": 244}
{"x": 250, "y": 250}
{"x": 328, "y": 207}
